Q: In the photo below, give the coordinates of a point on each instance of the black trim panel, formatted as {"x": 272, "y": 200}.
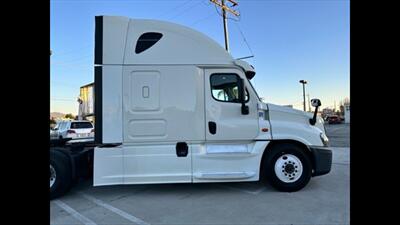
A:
{"x": 98, "y": 104}
{"x": 98, "y": 40}
{"x": 212, "y": 127}
{"x": 322, "y": 159}
{"x": 250, "y": 74}
{"x": 182, "y": 149}
{"x": 109, "y": 145}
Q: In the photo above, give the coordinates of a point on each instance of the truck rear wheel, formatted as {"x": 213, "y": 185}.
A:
{"x": 60, "y": 174}
{"x": 287, "y": 167}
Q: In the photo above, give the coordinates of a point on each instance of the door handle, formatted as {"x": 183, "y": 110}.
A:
{"x": 212, "y": 127}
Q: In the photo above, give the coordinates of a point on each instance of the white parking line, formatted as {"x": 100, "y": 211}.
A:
{"x": 115, "y": 210}
{"x": 74, "y": 213}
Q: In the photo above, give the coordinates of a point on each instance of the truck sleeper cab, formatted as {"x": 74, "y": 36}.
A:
{"x": 173, "y": 106}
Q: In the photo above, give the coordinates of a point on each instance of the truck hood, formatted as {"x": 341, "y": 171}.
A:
{"x": 289, "y": 123}
{"x": 285, "y": 109}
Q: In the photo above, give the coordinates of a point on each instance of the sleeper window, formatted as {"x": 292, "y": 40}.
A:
{"x": 224, "y": 87}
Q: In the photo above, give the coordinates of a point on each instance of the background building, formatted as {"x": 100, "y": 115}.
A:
{"x": 86, "y": 102}
{"x": 347, "y": 112}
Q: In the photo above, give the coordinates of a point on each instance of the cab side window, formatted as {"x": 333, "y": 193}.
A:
{"x": 224, "y": 87}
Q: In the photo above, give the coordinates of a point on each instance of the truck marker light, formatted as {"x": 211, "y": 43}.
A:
{"x": 264, "y": 129}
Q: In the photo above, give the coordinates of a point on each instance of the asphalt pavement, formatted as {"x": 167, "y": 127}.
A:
{"x": 325, "y": 200}
{"x": 338, "y": 134}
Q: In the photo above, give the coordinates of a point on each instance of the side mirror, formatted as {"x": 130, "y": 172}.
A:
{"x": 241, "y": 92}
{"x": 315, "y": 103}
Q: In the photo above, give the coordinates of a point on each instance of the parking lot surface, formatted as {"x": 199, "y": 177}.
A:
{"x": 325, "y": 200}
{"x": 338, "y": 134}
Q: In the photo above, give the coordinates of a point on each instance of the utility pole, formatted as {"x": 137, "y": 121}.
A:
{"x": 309, "y": 106}
{"x": 226, "y": 34}
{"x": 304, "y": 94}
{"x": 224, "y": 17}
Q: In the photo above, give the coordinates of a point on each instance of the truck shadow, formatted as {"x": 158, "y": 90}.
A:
{"x": 182, "y": 190}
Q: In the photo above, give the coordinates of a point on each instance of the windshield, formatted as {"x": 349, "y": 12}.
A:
{"x": 81, "y": 125}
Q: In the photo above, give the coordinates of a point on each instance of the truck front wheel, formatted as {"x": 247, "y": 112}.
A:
{"x": 60, "y": 174}
{"x": 287, "y": 167}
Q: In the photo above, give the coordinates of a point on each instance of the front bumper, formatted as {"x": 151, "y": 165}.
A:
{"x": 322, "y": 160}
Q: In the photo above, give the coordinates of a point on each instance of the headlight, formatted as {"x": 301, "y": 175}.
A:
{"x": 324, "y": 139}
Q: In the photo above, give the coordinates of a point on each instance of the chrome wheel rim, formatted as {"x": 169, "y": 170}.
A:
{"x": 288, "y": 168}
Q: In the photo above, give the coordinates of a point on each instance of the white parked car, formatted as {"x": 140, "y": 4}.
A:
{"x": 73, "y": 129}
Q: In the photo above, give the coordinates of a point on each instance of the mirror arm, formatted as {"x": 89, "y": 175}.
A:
{"x": 314, "y": 119}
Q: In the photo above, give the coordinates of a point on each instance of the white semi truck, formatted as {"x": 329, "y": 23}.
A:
{"x": 173, "y": 106}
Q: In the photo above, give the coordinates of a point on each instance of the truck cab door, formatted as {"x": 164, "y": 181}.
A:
{"x": 224, "y": 119}
{"x": 230, "y": 152}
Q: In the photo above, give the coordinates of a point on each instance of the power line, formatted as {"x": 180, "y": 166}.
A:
{"x": 185, "y": 11}
{"x": 202, "y": 19}
{"x": 225, "y": 9}
{"x": 173, "y": 9}
{"x": 229, "y": 18}
{"x": 244, "y": 39}
{"x": 238, "y": 15}
{"x": 204, "y": 3}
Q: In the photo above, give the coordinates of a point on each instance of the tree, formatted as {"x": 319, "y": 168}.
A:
{"x": 69, "y": 116}
{"x": 221, "y": 93}
{"x": 341, "y": 109}
{"x": 52, "y": 122}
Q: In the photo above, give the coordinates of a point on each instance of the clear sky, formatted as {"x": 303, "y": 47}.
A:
{"x": 290, "y": 39}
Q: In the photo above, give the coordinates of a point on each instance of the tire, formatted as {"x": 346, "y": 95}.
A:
{"x": 280, "y": 174}
{"x": 61, "y": 166}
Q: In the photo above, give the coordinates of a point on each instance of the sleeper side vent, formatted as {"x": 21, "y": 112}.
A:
{"x": 146, "y": 40}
